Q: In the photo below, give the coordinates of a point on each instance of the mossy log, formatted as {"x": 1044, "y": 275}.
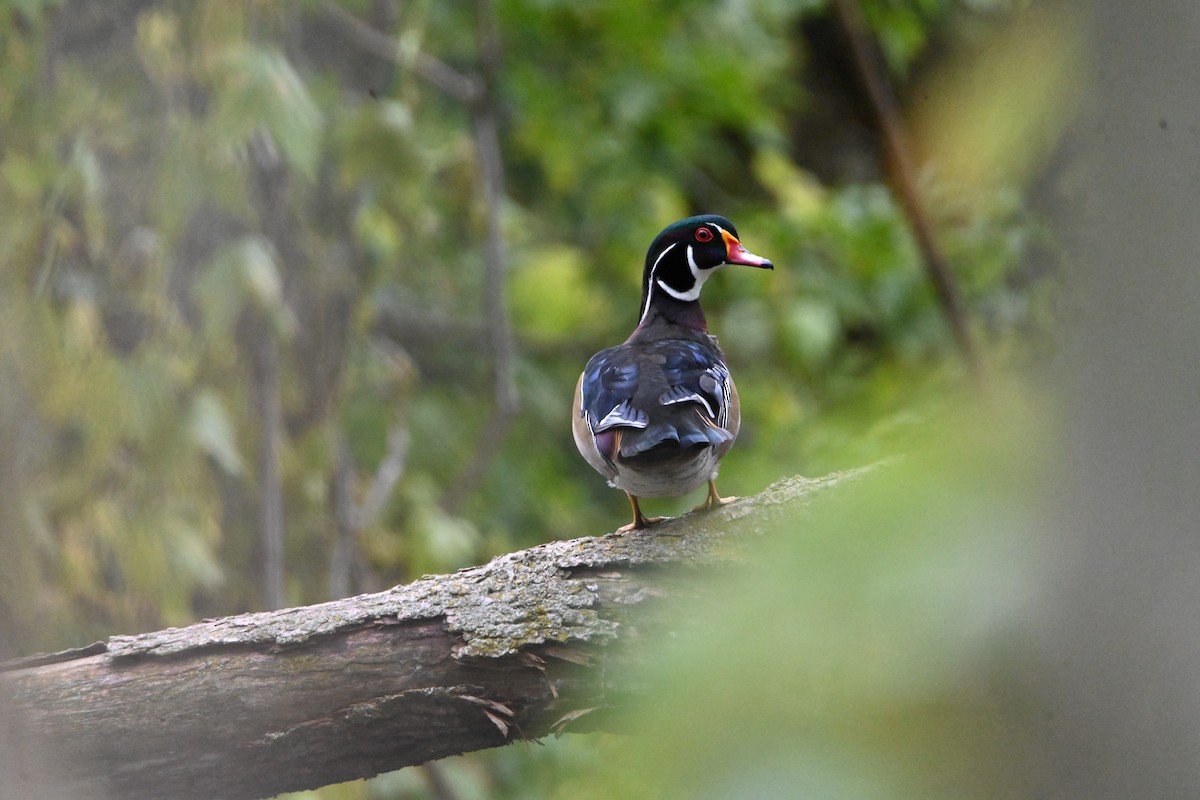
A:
{"x": 257, "y": 704}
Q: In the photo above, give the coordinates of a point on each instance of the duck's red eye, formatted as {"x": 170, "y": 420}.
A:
{"x": 703, "y": 235}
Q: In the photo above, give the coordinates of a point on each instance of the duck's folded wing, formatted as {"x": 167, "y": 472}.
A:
{"x": 691, "y": 409}
{"x": 607, "y": 389}
{"x": 696, "y": 374}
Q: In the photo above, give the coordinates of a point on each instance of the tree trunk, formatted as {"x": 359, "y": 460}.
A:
{"x": 258, "y": 704}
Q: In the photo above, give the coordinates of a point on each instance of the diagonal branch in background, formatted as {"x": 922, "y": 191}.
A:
{"x": 346, "y": 568}
{"x": 436, "y": 73}
{"x": 873, "y": 75}
{"x": 258, "y": 704}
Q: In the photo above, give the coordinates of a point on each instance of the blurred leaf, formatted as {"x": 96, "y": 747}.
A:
{"x": 799, "y": 194}
{"x": 812, "y": 328}
{"x": 31, "y": 9}
{"x": 259, "y": 88}
{"x": 554, "y": 296}
{"x": 240, "y": 274}
{"x": 862, "y": 652}
{"x": 212, "y": 430}
{"x": 192, "y": 552}
{"x": 991, "y": 117}
{"x": 159, "y": 46}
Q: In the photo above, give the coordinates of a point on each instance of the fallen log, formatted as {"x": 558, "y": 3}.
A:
{"x": 258, "y": 704}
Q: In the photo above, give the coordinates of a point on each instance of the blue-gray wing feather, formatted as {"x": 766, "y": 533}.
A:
{"x": 674, "y": 391}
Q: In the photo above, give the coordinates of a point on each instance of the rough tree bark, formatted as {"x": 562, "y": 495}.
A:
{"x": 257, "y": 704}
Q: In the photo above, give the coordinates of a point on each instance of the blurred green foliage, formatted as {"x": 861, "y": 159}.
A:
{"x": 181, "y": 182}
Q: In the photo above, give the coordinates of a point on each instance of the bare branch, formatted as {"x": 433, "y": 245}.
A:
{"x": 264, "y": 356}
{"x": 345, "y": 569}
{"x": 495, "y": 285}
{"x": 505, "y": 398}
{"x": 345, "y": 563}
{"x": 387, "y": 474}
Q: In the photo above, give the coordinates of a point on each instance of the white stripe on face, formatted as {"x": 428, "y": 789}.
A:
{"x": 650, "y": 288}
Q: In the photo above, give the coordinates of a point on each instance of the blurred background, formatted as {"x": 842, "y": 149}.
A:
{"x": 295, "y": 296}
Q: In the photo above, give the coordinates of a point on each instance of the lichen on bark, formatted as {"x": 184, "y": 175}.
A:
{"x": 515, "y": 600}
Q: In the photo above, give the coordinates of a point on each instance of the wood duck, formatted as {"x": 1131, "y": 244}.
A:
{"x": 656, "y": 414}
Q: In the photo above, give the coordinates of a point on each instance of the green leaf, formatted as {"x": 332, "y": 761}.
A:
{"x": 212, "y": 431}
{"x": 242, "y": 273}
{"x": 31, "y": 9}
{"x": 258, "y": 89}
{"x": 553, "y": 296}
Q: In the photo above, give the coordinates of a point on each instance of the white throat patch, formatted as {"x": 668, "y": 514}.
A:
{"x": 699, "y": 276}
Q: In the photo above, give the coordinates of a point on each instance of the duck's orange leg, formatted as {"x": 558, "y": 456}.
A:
{"x": 714, "y": 500}
{"x": 640, "y": 520}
